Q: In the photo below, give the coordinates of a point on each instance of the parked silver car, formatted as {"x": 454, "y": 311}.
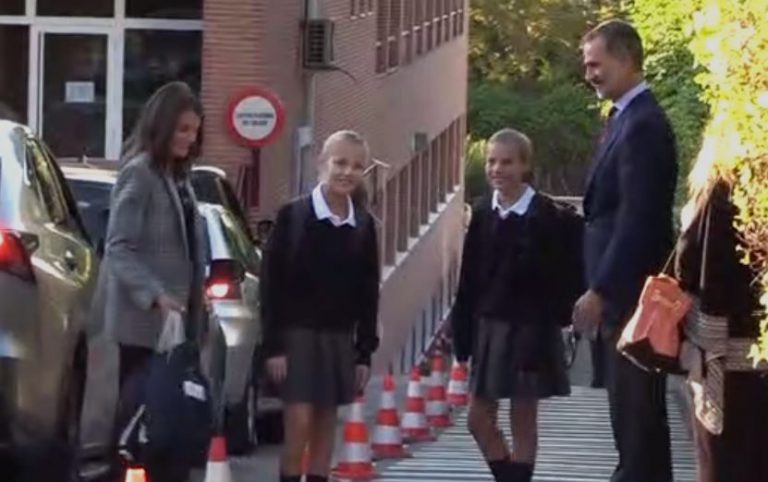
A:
{"x": 47, "y": 276}
{"x": 232, "y": 293}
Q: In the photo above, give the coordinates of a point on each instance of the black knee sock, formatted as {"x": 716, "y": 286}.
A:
{"x": 520, "y": 472}
{"x": 500, "y": 469}
{"x": 290, "y": 478}
{"x": 316, "y": 478}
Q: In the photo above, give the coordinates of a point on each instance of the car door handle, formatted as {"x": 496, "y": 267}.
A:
{"x": 70, "y": 260}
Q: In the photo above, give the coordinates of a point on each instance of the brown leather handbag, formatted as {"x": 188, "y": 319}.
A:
{"x": 652, "y": 337}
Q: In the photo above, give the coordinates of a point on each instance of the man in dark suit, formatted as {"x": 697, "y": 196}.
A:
{"x": 628, "y": 235}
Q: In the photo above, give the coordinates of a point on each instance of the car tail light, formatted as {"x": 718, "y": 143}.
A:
{"x": 14, "y": 256}
{"x": 224, "y": 280}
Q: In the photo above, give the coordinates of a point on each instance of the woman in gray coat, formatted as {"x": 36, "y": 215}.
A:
{"x": 155, "y": 249}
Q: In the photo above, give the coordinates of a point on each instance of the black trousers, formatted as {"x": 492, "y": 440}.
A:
{"x": 132, "y": 358}
{"x": 738, "y": 454}
{"x": 597, "y": 352}
{"x": 638, "y": 416}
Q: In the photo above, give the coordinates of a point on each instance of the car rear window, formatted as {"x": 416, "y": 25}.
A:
{"x": 240, "y": 247}
{"x": 93, "y": 204}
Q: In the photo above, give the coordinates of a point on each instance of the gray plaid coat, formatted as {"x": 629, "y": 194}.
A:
{"x": 146, "y": 255}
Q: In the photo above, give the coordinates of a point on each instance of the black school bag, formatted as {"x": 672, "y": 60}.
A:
{"x": 570, "y": 282}
{"x": 165, "y": 411}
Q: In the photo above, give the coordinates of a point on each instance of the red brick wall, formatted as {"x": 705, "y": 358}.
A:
{"x": 425, "y": 95}
{"x": 246, "y": 43}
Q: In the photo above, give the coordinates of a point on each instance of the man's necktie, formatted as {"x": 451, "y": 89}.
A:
{"x": 608, "y": 122}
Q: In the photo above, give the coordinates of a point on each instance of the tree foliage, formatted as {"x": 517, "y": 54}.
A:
{"x": 561, "y": 120}
{"x": 731, "y": 41}
{"x": 525, "y": 40}
{"x": 666, "y": 27}
{"x": 526, "y": 73}
{"x": 475, "y": 184}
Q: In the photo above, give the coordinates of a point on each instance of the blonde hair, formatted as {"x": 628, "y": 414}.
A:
{"x": 360, "y": 196}
{"x": 705, "y": 174}
{"x": 345, "y": 135}
{"x": 518, "y": 141}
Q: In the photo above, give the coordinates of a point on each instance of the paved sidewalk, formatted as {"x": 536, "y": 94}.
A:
{"x": 576, "y": 446}
{"x": 576, "y": 442}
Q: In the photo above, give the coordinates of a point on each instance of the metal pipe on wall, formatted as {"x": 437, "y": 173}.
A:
{"x": 305, "y": 174}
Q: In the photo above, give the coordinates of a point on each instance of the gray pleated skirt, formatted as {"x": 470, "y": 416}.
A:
{"x": 518, "y": 361}
{"x": 321, "y": 368}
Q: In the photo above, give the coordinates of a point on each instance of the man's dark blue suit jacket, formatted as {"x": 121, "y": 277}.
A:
{"x": 628, "y": 206}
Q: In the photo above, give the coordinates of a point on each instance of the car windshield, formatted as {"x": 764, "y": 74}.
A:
{"x": 93, "y": 203}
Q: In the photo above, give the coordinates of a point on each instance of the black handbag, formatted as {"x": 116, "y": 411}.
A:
{"x": 166, "y": 411}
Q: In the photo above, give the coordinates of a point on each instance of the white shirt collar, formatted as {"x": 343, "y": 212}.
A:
{"x": 629, "y": 96}
{"x": 520, "y": 207}
{"x": 322, "y": 211}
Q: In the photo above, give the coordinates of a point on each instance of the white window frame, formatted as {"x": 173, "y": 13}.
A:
{"x": 114, "y": 28}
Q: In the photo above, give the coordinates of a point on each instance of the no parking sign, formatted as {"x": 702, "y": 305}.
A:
{"x": 256, "y": 117}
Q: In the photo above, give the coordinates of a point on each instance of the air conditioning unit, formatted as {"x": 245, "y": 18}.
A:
{"x": 318, "y": 44}
{"x": 419, "y": 142}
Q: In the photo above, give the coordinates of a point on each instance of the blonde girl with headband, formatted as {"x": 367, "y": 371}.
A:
{"x": 320, "y": 304}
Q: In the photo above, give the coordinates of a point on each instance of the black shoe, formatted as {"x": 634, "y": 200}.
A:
{"x": 501, "y": 470}
{"x": 520, "y": 472}
{"x": 290, "y": 478}
{"x": 316, "y": 478}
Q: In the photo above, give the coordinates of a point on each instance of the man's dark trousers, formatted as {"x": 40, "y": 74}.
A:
{"x": 628, "y": 236}
{"x": 638, "y": 417}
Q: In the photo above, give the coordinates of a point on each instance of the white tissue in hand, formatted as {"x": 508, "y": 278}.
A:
{"x": 172, "y": 334}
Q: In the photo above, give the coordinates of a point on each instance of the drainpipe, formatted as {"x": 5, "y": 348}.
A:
{"x": 305, "y": 171}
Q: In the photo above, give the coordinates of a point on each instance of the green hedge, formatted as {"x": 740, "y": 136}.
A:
{"x": 561, "y": 120}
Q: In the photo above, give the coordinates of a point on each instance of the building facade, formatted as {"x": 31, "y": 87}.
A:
{"x": 395, "y": 70}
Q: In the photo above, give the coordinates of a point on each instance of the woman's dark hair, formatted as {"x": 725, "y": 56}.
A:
{"x": 157, "y": 124}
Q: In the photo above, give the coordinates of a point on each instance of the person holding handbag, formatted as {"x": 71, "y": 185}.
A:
{"x": 730, "y": 416}
{"x": 155, "y": 251}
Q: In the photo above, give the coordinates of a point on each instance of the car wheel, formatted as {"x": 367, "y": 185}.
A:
{"x": 240, "y": 424}
{"x": 68, "y": 448}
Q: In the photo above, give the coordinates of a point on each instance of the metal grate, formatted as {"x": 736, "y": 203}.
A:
{"x": 318, "y": 44}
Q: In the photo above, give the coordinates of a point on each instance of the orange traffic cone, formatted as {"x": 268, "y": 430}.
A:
{"x": 458, "y": 386}
{"x": 305, "y": 461}
{"x": 414, "y": 426}
{"x": 136, "y": 474}
{"x": 438, "y": 414}
{"x": 218, "y": 465}
{"x": 426, "y": 378}
{"x": 355, "y": 462}
{"x": 387, "y": 437}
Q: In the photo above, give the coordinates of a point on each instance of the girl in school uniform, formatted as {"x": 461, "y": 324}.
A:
{"x": 503, "y": 317}
{"x": 320, "y": 304}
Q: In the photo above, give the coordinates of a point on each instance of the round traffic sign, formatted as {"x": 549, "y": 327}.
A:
{"x": 256, "y": 117}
